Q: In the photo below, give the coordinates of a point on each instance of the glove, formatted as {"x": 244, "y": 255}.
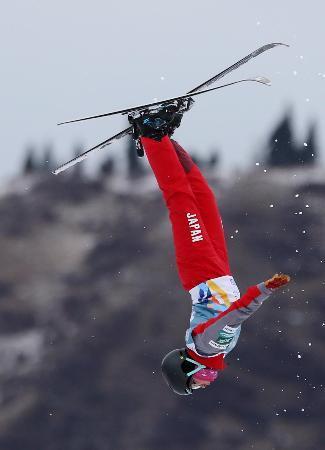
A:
{"x": 278, "y": 280}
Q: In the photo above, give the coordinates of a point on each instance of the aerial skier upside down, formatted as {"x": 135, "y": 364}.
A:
{"x": 218, "y": 310}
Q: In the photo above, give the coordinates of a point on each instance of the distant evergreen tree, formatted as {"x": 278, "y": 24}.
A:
{"x": 134, "y": 164}
{"x": 309, "y": 151}
{"x": 77, "y": 170}
{"x": 281, "y": 149}
{"x": 214, "y": 159}
{"x": 48, "y": 163}
{"x": 107, "y": 167}
{"x": 283, "y": 152}
{"x": 30, "y": 164}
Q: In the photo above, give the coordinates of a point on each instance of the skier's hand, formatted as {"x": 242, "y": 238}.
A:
{"x": 278, "y": 280}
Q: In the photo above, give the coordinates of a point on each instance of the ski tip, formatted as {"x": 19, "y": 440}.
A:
{"x": 281, "y": 43}
{"x": 59, "y": 169}
{"x": 263, "y": 80}
{"x": 266, "y": 47}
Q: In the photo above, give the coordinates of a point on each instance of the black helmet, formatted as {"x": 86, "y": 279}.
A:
{"x": 177, "y": 369}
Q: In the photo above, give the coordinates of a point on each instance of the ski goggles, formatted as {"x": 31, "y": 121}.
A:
{"x": 206, "y": 375}
{"x": 197, "y": 368}
{"x": 201, "y": 373}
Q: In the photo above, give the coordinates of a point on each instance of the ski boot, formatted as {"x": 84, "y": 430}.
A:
{"x": 158, "y": 122}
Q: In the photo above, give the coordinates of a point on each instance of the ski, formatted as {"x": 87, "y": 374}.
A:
{"x": 197, "y": 88}
{"x": 262, "y": 80}
{"x": 235, "y": 66}
{"x": 85, "y": 155}
{"x": 128, "y": 130}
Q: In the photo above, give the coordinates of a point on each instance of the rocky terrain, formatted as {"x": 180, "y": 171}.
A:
{"x": 90, "y": 302}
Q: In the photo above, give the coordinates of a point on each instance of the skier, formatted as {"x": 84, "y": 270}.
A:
{"x": 218, "y": 310}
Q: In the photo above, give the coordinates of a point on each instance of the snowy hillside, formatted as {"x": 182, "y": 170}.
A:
{"x": 90, "y": 302}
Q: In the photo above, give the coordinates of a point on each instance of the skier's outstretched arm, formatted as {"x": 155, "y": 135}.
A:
{"x": 237, "y": 313}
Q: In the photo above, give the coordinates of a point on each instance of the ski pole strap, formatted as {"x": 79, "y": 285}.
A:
{"x": 197, "y": 369}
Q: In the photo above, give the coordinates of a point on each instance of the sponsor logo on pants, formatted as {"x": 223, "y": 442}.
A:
{"x": 195, "y": 228}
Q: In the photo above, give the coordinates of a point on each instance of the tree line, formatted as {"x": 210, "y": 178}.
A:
{"x": 282, "y": 149}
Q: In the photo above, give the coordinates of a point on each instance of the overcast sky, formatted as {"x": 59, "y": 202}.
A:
{"x": 66, "y": 59}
